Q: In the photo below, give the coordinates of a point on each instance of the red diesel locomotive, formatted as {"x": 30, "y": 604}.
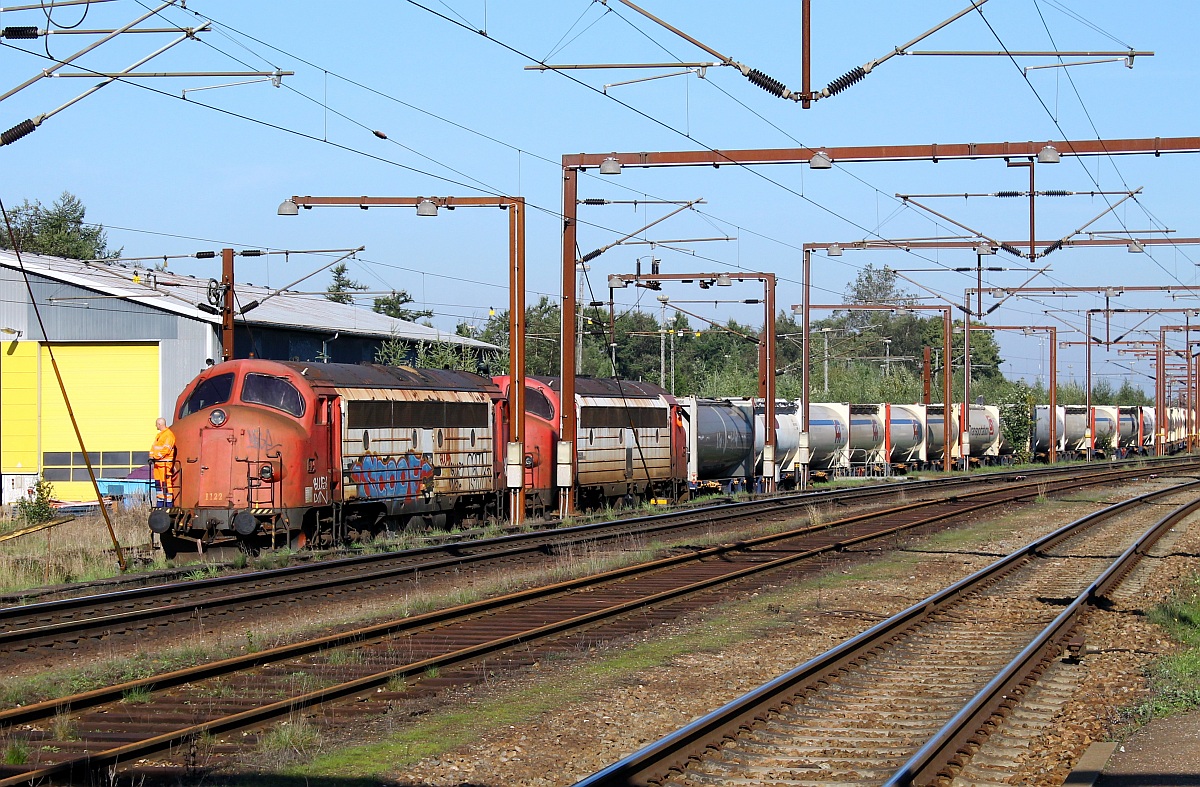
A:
{"x": 273, "y": 454}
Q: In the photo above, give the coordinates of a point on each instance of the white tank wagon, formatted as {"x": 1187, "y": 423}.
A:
{"x": 1136, "y": 435}
{"x": 906, "y": 434}
{"x": 983, "y": 430}
{"x": 1076, "y": 429}
{"x": 1176, "y": 429}
{"x": 867, "y": 429}
{"x": 935, "y": 443}
{"x": 787, "y": 437}
{"x": 1105, "y": 429}
{"x": 828, "y": 438}
{"x": 1041, "y": 432}
{"x": 720, "y": 441}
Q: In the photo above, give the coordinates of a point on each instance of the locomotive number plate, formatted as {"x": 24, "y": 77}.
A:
{"x": 211, "y": 497}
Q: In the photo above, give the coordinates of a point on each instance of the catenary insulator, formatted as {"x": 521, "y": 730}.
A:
{"x": 250, "y": 253}
{"x": 591, "y": 255}
{"x": 17, "y": 131}
{"x": 1056, "y": 193}
{"x": 22, "y": 32}
{"x": 772, "y": 86}
{"x": 1011, "y": 250}
{"x": 1008, "y": 193}
{"x": 594, "y": 201}
{"x": 847, "y": 79}
{"x": 1058, "y": 244}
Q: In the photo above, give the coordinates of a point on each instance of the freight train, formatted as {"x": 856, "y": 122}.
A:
{"x": 273, "y": 454}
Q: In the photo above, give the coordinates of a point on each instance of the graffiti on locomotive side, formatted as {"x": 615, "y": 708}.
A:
{"x": 260, "y": 439}
{"x": 406, "y": 476}
{"x": 470, "y": 471}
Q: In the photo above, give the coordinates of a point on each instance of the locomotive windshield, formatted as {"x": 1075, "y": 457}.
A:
{"x": 215, "y": 390}
{"x": 273, "y": 392}
{"x": 537, "y": 404}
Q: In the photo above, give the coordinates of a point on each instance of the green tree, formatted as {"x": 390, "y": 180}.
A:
{"x": 1129, "y": 395}
{"x": 37, "y": 508}
{"x": 341, "y": 289}
{"x": 875, "y": 286}
{"x": 541, "y": 337}
{"x": 394, "y": 306}
{"x": 58, "y": 230}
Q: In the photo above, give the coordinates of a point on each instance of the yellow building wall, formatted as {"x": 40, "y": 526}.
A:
{"x": 113, "y": 390}
{"x": 19, "y": 407}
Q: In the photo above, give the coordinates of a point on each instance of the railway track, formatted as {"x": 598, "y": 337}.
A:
{"x": 38, "y": 631}
{"x": 910, "y": 700}
{"x": 361, "y": 671}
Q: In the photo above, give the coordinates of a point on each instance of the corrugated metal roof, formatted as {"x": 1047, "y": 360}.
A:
{"x": 603, "y": 386}
{"x": 344, "y": 375}
{"x": 179, "y": 294}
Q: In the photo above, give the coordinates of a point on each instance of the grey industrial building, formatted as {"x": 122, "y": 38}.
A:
{"x": 127, "y": 340}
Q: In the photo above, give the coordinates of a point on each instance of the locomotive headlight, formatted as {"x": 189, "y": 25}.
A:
{"x": 266, "y": 472}
{"x": 217, "y": 417}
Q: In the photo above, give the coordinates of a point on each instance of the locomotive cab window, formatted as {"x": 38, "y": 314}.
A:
{"x": 537, "y": 404}
{"x": 273, "y": 392}
{"x": 213, "y": 391}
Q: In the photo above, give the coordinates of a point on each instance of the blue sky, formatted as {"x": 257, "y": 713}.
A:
{"x": 463, "y": 117}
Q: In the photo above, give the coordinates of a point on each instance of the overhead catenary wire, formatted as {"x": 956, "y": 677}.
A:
{"x": 1058, "y": 126}
{"x": 722, "y": 262}
{"x": 676, "y": 131}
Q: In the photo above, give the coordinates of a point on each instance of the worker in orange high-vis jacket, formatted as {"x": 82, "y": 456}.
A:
{"x": 165, "y": 470}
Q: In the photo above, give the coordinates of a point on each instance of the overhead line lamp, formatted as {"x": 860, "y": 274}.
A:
{"x": 834, "y": 250}
{"x": 427, "y": 207}
{"x": 610, "y": 166}
{"x": 1135, "y": 247}
{"x": 1048, "y": 155}
{"x": 723, "y": 280}
{"x": 288, "y": 208}
{"x": 820, "y": 160}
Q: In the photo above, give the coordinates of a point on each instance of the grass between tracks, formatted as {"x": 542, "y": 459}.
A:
{"x": 609, "y": 668}
{"x": 1175, "y": 679}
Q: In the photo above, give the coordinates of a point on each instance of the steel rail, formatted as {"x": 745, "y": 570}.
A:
{"x": 671, "y": 753}
{"x": 48, "y": 708}
{"x": 91, "y": 617}
{"x": 933, "y": 758}
{"x": 93, "y": 760}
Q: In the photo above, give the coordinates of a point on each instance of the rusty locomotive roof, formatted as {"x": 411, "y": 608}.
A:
{"x": 603, "y": 386}
{"x": 346, "y": 375}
